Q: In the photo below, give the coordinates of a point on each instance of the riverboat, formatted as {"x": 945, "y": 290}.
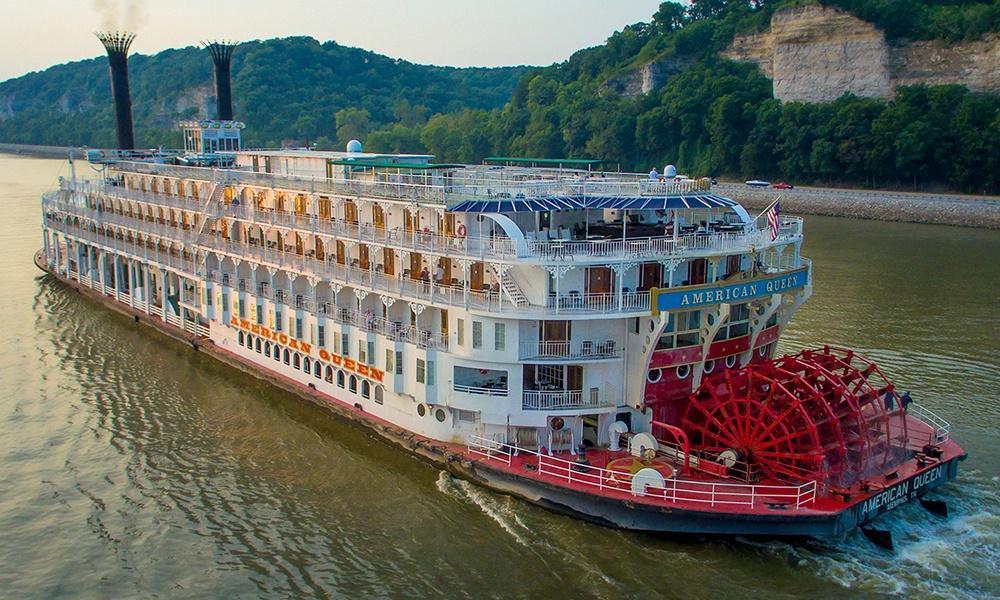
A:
{"x": 598, "y": 343}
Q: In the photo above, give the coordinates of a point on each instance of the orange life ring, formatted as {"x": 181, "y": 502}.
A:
{"x": 461, "y": 230}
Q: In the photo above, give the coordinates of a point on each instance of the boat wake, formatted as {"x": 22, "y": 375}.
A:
{"x": 498, "y": 508}
{"x": 934, "y": 557}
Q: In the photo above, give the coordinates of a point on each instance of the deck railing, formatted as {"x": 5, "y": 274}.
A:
{"x": 470, "y": 246}
{"x": 675, "y": 490}
{"x": 569, "y": 350}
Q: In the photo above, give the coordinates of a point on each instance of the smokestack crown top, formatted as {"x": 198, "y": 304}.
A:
{"x": 222, "y": 50}
{"x": 116, "y": 42}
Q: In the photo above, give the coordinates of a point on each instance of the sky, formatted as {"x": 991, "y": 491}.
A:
{"x": 35, "y": 34}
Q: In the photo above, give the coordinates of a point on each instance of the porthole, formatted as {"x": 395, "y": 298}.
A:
{"x": 652, "y": 325}
{"x": 421, "y": 410}
{"x": 730, "y": 361}
{"x": 654, "y": 375}
{"x": 440, "y": 415}
{"x": 762, "y": 351}
{"x": 709, "y": 366}
{"x": 710, "y": 319}
{"x": 683, "y": 371}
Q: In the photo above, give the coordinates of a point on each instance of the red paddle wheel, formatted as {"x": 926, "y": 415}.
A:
{"x": 827, "y": 415}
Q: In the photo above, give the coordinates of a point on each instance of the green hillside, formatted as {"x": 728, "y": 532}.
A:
{"x": 283, "y": 88}
{"x": 718, "y": 117}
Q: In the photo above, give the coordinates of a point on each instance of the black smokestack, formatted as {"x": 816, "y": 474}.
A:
{"x": 222, "y": 54}
{"x": 117, "y": 44}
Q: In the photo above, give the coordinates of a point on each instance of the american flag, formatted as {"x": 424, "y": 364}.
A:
{"x": 772, "y": 220}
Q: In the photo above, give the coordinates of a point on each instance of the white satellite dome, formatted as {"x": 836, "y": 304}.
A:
{"x": 670, "y": 171}
{"x": 354, "y": 146}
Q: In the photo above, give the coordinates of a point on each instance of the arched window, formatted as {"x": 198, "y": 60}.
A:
{"x": 306, "y": 365}
{"x": 296, "y": 360}
{"x": 352, "y": 384}
{"x": 366, "y": 389}
{"x": 318, "y": 370}
{"x": 257, "y": 345}
{"x": 267, "y": 348}
{"x": 340, "y": 379}
{"x": 277, "y": 352}
{"x": 329, "y": 373}
{"x": 287, "y": 356}
{"x": 379, "y": 394}
{"x": 242, "y": 339}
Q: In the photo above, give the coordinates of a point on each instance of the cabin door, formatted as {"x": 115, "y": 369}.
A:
{"x": 476, "y": 276}
{"x": 698, "y": 272}
{"x": 600, "y": 280}
{"x": 388, "y": 261}
{"x": 651, "y": 276}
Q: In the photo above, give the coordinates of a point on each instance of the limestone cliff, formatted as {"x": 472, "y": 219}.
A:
{"x": 816, "y": 54}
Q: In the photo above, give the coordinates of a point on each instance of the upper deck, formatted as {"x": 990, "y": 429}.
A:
{"x": 542, "y": 215}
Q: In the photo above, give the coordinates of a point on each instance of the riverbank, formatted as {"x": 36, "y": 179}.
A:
{"x": 42, "y": 151}
{"x": 934, "y": 209}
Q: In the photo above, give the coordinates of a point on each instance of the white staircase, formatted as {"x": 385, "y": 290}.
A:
{"x": 513, "y": 292}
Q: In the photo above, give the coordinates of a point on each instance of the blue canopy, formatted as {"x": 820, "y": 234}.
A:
{"x": 597, "y": 202}
{"x": 518, "y": 205}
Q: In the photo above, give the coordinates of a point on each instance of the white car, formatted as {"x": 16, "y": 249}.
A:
{"x": 758, "y": 183}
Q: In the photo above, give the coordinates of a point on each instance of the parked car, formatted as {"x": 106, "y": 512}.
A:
{"x": 758, "y": 183}
{"x": 781, "y": 185}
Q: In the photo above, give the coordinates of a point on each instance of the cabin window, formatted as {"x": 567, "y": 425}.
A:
{"x": 654, "y": 375}
{"x": 287, "y": 356}
{"x": 321, "y": 336}
{"x": 352, "y": 384}
{"x": 460, "y": 331}
{"x": 399, "y": 362}
{"x": 307, "y": 365}
{"x": 329, "y": 374}
{"x": 340, "y": 379}
{"x": 296, "y": 360}
{"x": 257, "y": 346}
{"x": 477, "y": 335}
{"x": 421, "y": 371}
{"x": 366, "y": 389}
{"x": 379, "y": 394}
{"x": 500, "y": 337}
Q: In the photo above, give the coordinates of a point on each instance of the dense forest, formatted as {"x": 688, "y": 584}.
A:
{"x": 287, "y": 88}
{"x": 712, "y": 117}
{"x": 718, "y": 117}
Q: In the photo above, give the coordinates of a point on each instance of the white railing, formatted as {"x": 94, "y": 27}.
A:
{"x": 576, "y": 350}
{"x": 463, "y": 246}
{"x": 599, "y": 302}
{"x": 675, "y": 490}
{"x": 565, "y": 399}
{"x": 480, "y": 391}
{"x": 940, "y": 429}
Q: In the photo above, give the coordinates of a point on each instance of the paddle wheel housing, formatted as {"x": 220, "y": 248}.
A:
{"x": 828, "y": 415}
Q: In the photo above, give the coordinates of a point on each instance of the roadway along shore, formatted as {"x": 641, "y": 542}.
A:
{"x": 938, "y": 209}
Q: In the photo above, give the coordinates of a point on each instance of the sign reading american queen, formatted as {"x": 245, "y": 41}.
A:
{"x": 290, "y": 342}
{"x": 664, "y": 299}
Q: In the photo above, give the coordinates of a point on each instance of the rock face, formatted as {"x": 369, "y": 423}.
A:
{"x": 647, "y": 78}
{"x": 816, "y": 54}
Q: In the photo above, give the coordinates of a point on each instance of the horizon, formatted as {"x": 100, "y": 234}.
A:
{"x": 444, "y": 33}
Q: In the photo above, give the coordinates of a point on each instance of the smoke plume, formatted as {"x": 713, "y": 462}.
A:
{"x": 119, "y": 15}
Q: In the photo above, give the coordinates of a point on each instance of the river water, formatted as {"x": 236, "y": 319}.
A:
{"x": 132, "y": 467}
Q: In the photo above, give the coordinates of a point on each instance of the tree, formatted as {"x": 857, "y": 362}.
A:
{"x": 670, "y": 17}
{"x": 352, "y": 124}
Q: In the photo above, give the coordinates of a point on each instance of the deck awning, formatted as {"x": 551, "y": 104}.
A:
{"x": 660, "y": 202}
{"x": 518, "y": 205}
{"x": 541, "y": 204}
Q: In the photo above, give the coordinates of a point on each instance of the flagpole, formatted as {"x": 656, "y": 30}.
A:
{"x": 764, "y": 212}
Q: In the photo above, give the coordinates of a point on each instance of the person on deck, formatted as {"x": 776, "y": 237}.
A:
{"x": 653, "y": 175}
